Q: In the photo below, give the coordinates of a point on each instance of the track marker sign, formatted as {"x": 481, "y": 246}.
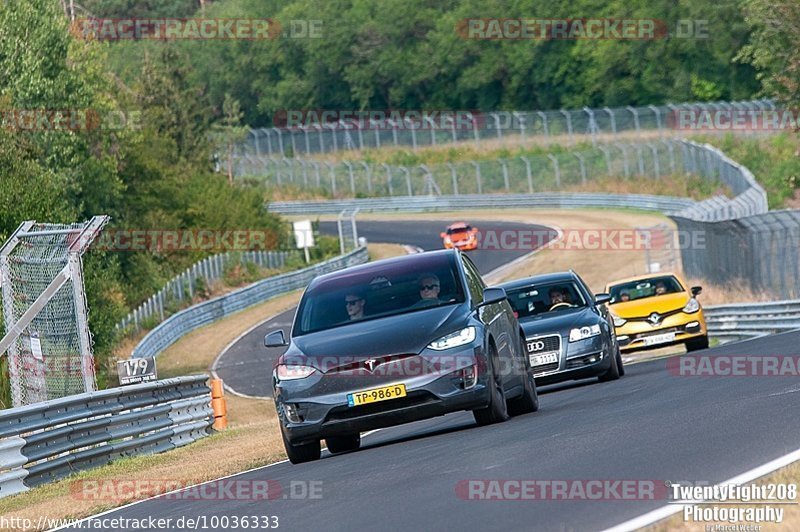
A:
{"x": 304, "y": 236}
{"x": 136, "y": 370}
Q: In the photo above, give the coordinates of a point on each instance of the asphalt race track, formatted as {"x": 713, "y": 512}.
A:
{"x": 649, "y": 425}
{"x": 248, "y": 358}
{"x": 653, "y": 425}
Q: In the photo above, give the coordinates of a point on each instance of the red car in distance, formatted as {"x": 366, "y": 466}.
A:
{"x": 460, "y": 235}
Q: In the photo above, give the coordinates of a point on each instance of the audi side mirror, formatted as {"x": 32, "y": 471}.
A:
{"x": 601, "y": 299}
{"x": 275, "y": 339}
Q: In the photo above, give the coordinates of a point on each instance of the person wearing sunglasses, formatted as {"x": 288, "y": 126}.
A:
{"x": 355, "y": 305}
{"x": 429, "y": 287}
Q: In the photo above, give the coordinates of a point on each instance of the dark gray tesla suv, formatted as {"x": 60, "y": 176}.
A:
{"x": 569, "y": 333}
{"x": 394, "y": 341}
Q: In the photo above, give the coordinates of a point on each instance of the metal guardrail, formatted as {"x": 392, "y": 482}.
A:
{"x": 47, "y": 441}
{"x": 751, "y": 320}
{"x": 185, "y": 321}
{"x": 182, "y": 287}
{"x": 477, "y": 201}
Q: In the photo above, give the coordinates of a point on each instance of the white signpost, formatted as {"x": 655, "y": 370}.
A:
{"x": 304, "y": 236}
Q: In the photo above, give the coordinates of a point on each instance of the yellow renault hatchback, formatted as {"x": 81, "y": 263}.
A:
{"x": 657, "y": 310}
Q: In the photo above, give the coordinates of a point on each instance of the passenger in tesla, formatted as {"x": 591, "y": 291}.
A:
{"x": 355, "y": 305}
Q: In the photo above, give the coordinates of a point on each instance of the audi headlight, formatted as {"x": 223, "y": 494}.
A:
{"x": 619, "y": 322}
{"x": 464, "y": 336}
{"x": 692, "y": 306}
{"x": 581, "y": 333}
{"x": 290, "y": 372}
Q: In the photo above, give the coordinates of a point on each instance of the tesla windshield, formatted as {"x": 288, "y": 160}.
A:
{"x": 379, "y": 291}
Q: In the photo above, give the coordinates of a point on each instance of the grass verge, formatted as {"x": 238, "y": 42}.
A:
{"x": 252, "y": 439}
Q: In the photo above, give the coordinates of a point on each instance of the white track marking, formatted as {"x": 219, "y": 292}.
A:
{"x": 666, "y": 511}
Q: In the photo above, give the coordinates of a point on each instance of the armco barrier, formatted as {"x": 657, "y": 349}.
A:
{"x": 47, "y": 441}
{"x": 750, "y": 320}
{"x": 481, "y": 201}
{"x": 185, "y": 321}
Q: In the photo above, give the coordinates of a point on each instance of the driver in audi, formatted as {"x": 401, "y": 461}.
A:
{"x": 557, "y": 298}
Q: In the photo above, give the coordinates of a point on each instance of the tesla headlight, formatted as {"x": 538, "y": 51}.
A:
{"x": 290, "y": 372}
{"x": 619, "y": 322}
{"x": 581, "y": 333}
{"x": 464, "y": 336}
{"x": 692, "y": 306}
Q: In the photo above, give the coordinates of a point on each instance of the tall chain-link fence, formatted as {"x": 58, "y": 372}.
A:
{"x": 47, "y": 337}
{"x": 743, "y": 245}
{"x": 453, "y": 127}
{"x": 556, "y": 171}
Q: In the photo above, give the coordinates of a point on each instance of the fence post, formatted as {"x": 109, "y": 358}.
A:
{"x": 592, "y": 125}
{"x": 280, "y": 140}
{"x": 544, "y": 123}
{"x": 332, "y": 175}
{"x": 388, "y": 178}
{"x": 352, "y": 177}
{"x": 521, "y": 121}
{"x": 583, "y": 166}
{"x": 528, "y": 173}
{"x": 556, "y": 170}
{"x": 635, "y": 117}
{"x": 368, "y": 170}
{"x": 408, "y": 179}
{"x": 478, "y": 176}
{"x": 658, "y": 118}
{"x": 607, "y": 157}
{"x": 613, "y": 119}
{"x": 656, "y": 166}
{"x": 506, "y": 183}
{"x": 569, "y": 124}
{"x": 452, "y": 168}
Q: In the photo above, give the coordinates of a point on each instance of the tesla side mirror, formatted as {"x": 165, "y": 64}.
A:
{"x": 602, "y": 299}
{"x": 696, "y": 290}
{"x": 275, "y": 339}
{"x": 493, "y": 295}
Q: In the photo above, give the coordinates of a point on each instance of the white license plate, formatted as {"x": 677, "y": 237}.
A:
{"x": 659, "y": 339}
{"x": 540, "y": 360}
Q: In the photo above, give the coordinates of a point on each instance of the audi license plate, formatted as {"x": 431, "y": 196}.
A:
{"x": 540, "y": 360}
{"x": 659, "y": 339}
{"x": 378, "y": 394}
